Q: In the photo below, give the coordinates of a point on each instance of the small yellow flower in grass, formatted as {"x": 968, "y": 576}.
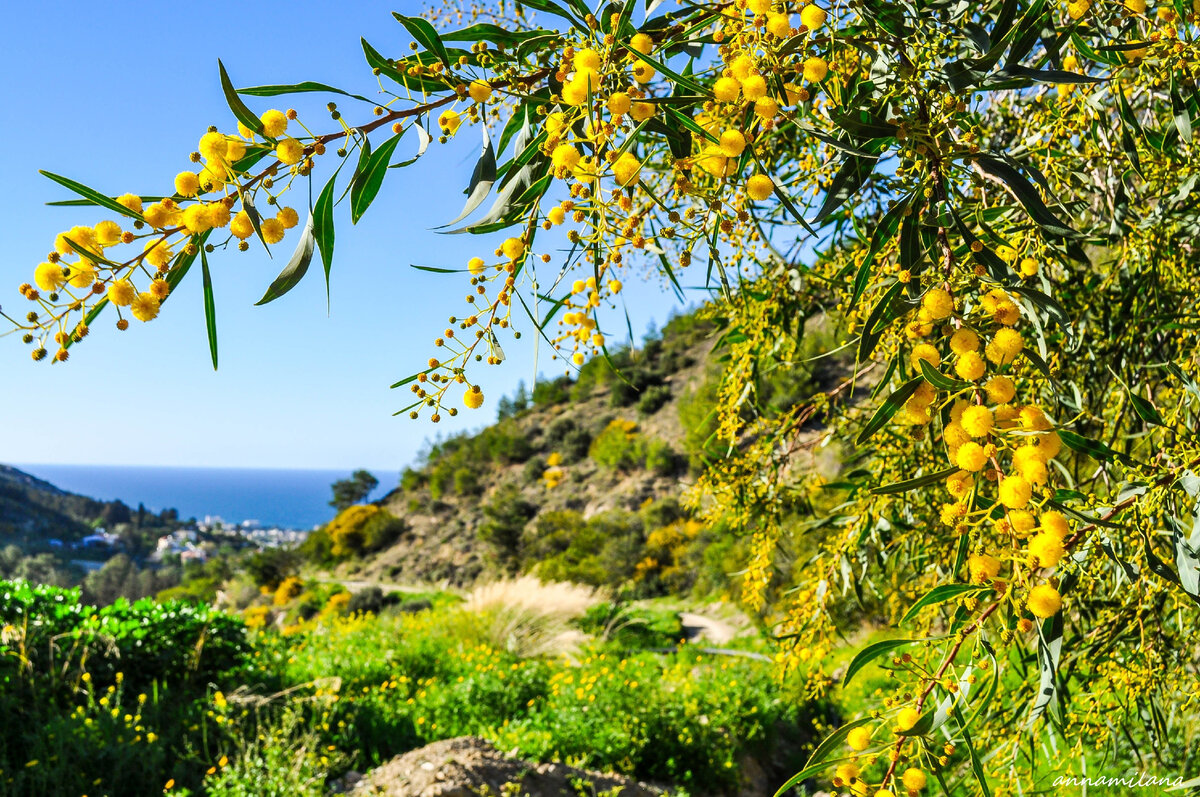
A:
{"x": 907, "y": 718}
{"x": 145, "y": 307}
{"x": 513, "y": 248}
{"x": 223, "y": 762}
{"x": 977, "y": 421}
{"x": 859, "y": 738}
{"x": 626, "y": 169}
{"x": 983, "y": 568}
{"x": 187, "y": 184}
{"x": 812, "y": 16}
{"x": 473, "y": 398}
{"x": 212, "y": 145}
{"x": 480, "y": 91}
{"x": 815, "y": 69}
{"x": 1005, "y": 346}
{"x": 241, "y": 227}
{"x": 1015, "y": 492}
{"x": 290, "y": 151}
{"x": 914, "y": 779}
{"x": 449, "y": 122}
{"x": 122, "y": 293}
{"x": 759, "y": 187}
{"x": 1047, "y": 548}
{"x": 131, "y": 201}
{"x": 970, "y": 366}
{"x": 727, "y": 89}
{"x": 272, "y": 230}
{"x": 274, "y": 124}
{"x": 1044, "y": 601}
{"x": 288, "y": 217}
{"x": 971, "y": 456}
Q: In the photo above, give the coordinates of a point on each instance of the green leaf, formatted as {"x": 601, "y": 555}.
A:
{"x": 976, "y": 763}
{"x": 850, "y": 177}
{"x": 941, "y": 594}
{"x": 551, "y": 7}
{"x": 255, "y": 221}
{"x": 369, "y": 178}
{"x": 912, "y": 484}
{"x": 1045, "y": 303}
{"x": 819, "y": 758}
{"x": 323, "y": 232}
{"x": 1180, "y": 114}
{"x": 243, "y": 114}
{"x": 1050, "y": 636}
{"x": 210, "y": 308}
{"x": 1026, "y": 194}
{"x": 414, "y": 83}
{"x": 890, "y": 407}
{"x": 872, "y": 652}
{"x": 296, "y": 268}
{"x": 275, "y": 90}
{"x": 435, "y": 269}
{"x": 494, "y": 33}
{"x": 482, "y": 179}
{"x": 425, "y": 34}
{"x": 1092, "y": 448}
{"x": 92, "y": 196}
{"x": 1145, "y": 410}
{"x": 884, "y": 232}
{"x": 942, "y": 382}
{"x": 679, "y": 79}
{"x": 873, "y": 327}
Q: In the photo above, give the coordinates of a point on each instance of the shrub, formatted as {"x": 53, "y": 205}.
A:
{"x": 553, "y": 391}
{"x": 662, "y": 459}
{"x": 527, "y": 617}
{"x": 618, "y": 446}
{"x": 568, "y": 438}
{"x": 466, "y": 481}
{"x": 653, "y": 399}
{"x": 505, "y": 518}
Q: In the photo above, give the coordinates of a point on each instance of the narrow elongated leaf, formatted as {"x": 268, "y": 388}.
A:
{"x": 1092, "y": 448}
{"x": 369, "y": 178}
{"x": 307, "y": 86}
{"x": 481, "y": 179}
{"x": 679, "y": 79}
{"x": 939, "y": 380}
{"x": 889, "y": 408}
{"x": 1049, "y": 651}
{"x": 210, "y": 308}
{"x": 323, "y": 231}
{"x": 1180, "y": 113}
{"x": 1000, "y": 171}
{"x": 941, "y": 594}
{"x": 243, "y": 114}
{"x": 255, "y": 221}
{"x": 484, "y": 31}
{"x": 872, "y": 652}
{"x": 912, "y": 484}
{"x": 873, "y": 328}
{"x": 551, "y": 7}
{"x": 92, "y": 196}
{"x": 296, "y": 268}
{"x": 425, "y": 34}
{"x": 850, "y": 177}
{"x": 1145, "y": 410}
{"x": 832, "y": 742}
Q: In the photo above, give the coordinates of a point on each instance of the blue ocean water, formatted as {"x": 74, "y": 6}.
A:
{"x": 292, "y": 499}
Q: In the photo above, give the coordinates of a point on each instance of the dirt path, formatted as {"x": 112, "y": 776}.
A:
{"x": 358, "y": 586}
{"x": 697, "y": 626}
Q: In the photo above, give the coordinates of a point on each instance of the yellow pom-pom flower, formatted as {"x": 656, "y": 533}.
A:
{"x": 1015, "y": 492}
{"x": 754, "y": 87}
{"x": 122, "y": 293}
{"x": 733, "y": 143}
{"x": 907, "y": 718}
{"x": 288, "y": 217}
{"x": 513, "y": 248}
{"x": 914, "y": 779}
{"x": 938, "y": 303}
{"x": 977, "y": 421}
{"x": 473, "y": 398}
{"x": 815, "y": 69}
{"x": 272, "y": 230}
{"x": 449, "y": 122}
{"x": 970, "y": 366}
{"x": 212, "y": 145}
{"x": 859, "y": 738}
{"x": 475, "y": 265}
{"x": 759, "y": 187}
{"x": 983, "y": 568}
{"x": 187, "y": 184}
{"x": 131, "y": 201}
{"x": 766, "y": 108}
{"x": 963, "y": 341}
{"x": 1005, "y": 346}
{"x": 1047, "y": 549}
{"x": 274, "y": 124}
{"x": 1044, "y": 601}
{"x": 618, "y": 103}
{"x": 290, "y": 151}
{"x": 480, "y": 91}
{"x": 926, "y": 352}
{"x": 641, "y": 43}
{"x": 626, "y": 169}
{"x": 241, "y": 226}
{"x": 959, "y": 484}
{"x": 145, "y": 307}
{"x": 971, "y": 456}
{"x": 1000, "y": 390}
{"x": 727, "y": 89}
{"x": 812, "y": 16}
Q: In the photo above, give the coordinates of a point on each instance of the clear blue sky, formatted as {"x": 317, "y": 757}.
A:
{"x": 116, "y": 96}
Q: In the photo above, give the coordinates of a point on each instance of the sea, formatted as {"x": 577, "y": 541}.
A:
{"x": 280, "y": 498}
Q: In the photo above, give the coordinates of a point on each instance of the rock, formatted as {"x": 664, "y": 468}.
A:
{"x": 471, "y": 767}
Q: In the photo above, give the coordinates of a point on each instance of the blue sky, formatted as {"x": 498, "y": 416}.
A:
{"x": 116, "y": 96}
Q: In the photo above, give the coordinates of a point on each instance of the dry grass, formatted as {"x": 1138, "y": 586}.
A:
{"x": 529, "y": 618}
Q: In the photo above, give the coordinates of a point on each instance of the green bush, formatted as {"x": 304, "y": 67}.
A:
{"x": 653, "y": 398}
{"x": 466, "y": 481}
{"x": 505, "y": 516}
{"x": 619, "y": 446}
{"x": 552, "y": 391}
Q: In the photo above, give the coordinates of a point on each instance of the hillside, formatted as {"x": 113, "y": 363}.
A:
{"x": 581, "y": 481}
{"x": 32, "y": 510}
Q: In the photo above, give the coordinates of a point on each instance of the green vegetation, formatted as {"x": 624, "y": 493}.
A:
{"x": 196, "y": 699}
